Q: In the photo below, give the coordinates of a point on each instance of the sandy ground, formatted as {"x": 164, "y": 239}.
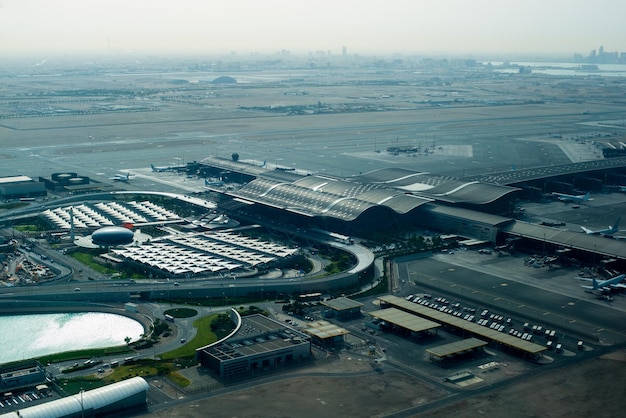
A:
{"x": 592, "y": 388}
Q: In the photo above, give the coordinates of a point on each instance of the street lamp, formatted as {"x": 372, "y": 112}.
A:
{"x": 82, "y": 407}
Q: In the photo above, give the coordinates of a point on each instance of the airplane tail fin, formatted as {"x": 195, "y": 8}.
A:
{"x": 615, "y": 226}
{"x": 595, "y": 284}
{"x": 586, "y": 197}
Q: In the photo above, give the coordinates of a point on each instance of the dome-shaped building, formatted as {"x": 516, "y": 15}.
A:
{"x": 112, "y": 235}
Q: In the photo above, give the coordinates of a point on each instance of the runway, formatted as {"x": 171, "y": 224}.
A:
{"x": 465, "y": 141}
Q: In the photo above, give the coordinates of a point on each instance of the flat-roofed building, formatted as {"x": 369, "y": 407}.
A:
{"x": 325, "y": 334}
{"x": 258, "y": 343}
{"x": 21, "y": 376}
{"x": 15, "y": 187}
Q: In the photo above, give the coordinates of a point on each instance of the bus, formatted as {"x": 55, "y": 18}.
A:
{"x": 169, "y": 317}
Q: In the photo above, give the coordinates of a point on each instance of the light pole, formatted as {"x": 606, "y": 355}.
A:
{"x": 82, "y": 408}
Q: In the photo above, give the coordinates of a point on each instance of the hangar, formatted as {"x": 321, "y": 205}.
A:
{"x": 121, "y": 397}
{"x": 20, "y": 186}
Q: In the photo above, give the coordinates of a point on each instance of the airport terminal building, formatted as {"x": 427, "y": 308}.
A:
{"x": 397, "y": 199}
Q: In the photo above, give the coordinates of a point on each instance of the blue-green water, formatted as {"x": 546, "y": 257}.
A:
{"x": 28, "y": 336}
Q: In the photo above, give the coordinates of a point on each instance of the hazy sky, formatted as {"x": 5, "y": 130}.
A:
{"x": 363, "y": 26}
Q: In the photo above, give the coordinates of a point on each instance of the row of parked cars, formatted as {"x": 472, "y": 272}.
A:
{"x": 491, "y": 320}
{"x": 10, "y": 400}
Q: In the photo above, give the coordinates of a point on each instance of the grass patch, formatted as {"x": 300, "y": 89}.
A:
{"x": 179, "y": 379}
{"x": 81, "y": 354}
{"x": 75, "y": 385}
{"x": 181, "y": 312}
{"x": 87, "y": 259}
{"x": 184, "y": 356}
{"x": 380, "y": 288}
{"x": 13, "y": 205}
{"x": 27, "y": 228}
{"x": 142, "y": 368}
{"x": 204, "y": 336}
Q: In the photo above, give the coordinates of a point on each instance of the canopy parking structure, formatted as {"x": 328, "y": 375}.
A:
{"x": 458, "y": 324}
{"x": 342, "y": 308}
{"x": 405, "y": 321}
{"x": 455, "y": 349}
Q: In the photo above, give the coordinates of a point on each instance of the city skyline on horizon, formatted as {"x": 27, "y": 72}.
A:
{"x": 446, "y": 27}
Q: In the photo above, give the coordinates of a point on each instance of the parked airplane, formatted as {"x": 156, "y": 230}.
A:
{"x": 571, "y": 197}
{"x": 607, "y": 231}
{"x": 213, "y": 182}
{"x": 613, "y": 283}
{"x": 621, "y": 188}
{"x": 161, "y": 169}
{"x": 121, "y": 177}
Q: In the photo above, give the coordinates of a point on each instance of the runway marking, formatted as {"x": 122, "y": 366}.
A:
{"x": 546, "y": 313}
{"x": 504, "y": 284}
{"x": 520, "y": 306}
{"x": 572, "y": 321}
{"x": 453, "y": 285}
{"x": 497, "y": 298}
{"x": 600, "y": 330}
{"x": 571, "y": 303}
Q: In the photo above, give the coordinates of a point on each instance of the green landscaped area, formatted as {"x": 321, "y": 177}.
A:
{"x": 209, "y": 329}
{"x": 204, "y": 336}
{"x": 87, "y": 258}
{"x": 181, "y": 312}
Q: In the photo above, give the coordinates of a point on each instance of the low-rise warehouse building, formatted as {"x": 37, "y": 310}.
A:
{"x": 20, "y": 186}
{"x": 325, "y": 334}
{"x": 21, "y": 376}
